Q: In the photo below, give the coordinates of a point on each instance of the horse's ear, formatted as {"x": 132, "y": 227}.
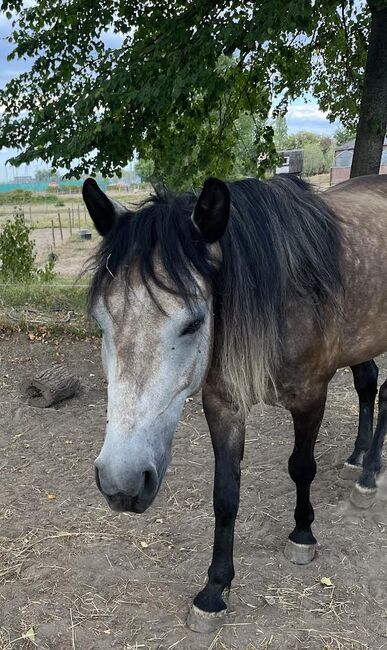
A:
{"x": 212, "y": 210}
{"x": 103, "y": 211}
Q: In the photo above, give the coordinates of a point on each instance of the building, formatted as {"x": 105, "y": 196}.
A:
{"x": 341, "y": 169}
{"x": 23, "y": 179}
{"x": 292, "y": 162}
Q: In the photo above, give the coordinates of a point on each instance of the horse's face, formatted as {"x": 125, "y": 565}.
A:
{"x": 156, "y": 352}
{"x": 153, "y": 361}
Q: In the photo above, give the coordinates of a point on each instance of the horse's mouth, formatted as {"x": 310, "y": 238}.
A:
{"x": 123, "y": 503}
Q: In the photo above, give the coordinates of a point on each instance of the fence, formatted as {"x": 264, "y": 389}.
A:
{"x": 73, "y": 218}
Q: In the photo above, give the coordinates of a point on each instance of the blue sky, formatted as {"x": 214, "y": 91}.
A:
{"x": 302, "y": 115}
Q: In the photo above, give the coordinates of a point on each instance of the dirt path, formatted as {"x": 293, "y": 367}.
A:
{"x": 80, "y": 577}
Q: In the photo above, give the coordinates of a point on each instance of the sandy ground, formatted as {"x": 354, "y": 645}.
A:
{"x": 76, "y": 576}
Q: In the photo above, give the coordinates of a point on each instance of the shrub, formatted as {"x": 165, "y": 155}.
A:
{"x": 17, "y": 256}
{"x": 314, "y": 160}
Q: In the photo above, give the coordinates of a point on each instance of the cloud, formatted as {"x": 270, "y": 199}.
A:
{"x": 308, "y": 117}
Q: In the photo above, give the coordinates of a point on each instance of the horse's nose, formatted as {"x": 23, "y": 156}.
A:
{"x": 133, "y": 493}
{"x": 103, "y": 480}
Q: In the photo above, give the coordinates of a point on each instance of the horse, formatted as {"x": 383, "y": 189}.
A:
{"x": 255, "y": 292}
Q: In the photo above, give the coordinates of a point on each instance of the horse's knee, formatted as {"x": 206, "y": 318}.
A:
{"x": 302, "y": 469}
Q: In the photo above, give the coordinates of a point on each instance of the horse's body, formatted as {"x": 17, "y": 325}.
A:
{"x": 260, "y": 302}
{"x": 359, "y": 332}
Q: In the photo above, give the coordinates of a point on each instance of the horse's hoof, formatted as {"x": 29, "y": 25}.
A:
{"x": 350, "y": 472}
{"x": 299, "y": 553}
{"x": 200, "y": 621}
{"x": 362, "y": 497}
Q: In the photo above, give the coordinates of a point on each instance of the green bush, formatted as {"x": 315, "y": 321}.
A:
{"x": 314, "y": 160}
{"x": 21, "y": 197}
{"x": 17, "y": 257}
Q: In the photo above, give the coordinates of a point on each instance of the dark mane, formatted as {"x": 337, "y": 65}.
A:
{"x": 282, "y": 241}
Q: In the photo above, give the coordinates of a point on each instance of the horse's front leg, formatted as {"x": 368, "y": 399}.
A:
{"x": 227, "y": 434}
{"x": 300, "y": 548}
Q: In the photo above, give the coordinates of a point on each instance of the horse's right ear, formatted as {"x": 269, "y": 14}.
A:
{"x": 212, "y": 210}
{"x": 103, "y": 211}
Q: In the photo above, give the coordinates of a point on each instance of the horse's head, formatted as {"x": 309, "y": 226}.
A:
{"x": 152, "y": 297}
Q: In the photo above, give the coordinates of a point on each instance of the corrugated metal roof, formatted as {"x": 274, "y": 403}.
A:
{"x": 351, "y": 144}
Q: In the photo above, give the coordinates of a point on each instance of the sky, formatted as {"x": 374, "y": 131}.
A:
{"x": 303, "y": 114}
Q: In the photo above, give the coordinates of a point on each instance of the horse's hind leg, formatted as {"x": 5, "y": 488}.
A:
{"x": 363, "y": 493}
{"x": 365, "y": 376}
{"x": 300, "y": 547}
{"x": 227, "y": 434}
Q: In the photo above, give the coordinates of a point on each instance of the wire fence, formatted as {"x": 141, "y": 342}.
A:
{"x": 62, "y": 222}
{"x": 73, "y": 214}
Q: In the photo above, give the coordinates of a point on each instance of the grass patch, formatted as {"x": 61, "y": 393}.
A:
{"x": 81, "y": 330}
{"x": 67, "y": 295}
{"x": 48, "y": 310}
{"x": 21, "y": 197}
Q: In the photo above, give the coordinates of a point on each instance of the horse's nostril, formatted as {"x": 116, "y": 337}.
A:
{"x": 150, "y": 482}
{"x": 97, "y": 478}
{"x": 147, "y": 480}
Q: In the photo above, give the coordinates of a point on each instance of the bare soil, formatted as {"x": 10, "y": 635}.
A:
{"x": 76, "y": 576}
{"x": 72, "y": 252}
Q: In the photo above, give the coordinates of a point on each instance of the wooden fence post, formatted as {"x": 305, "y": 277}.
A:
{"x": 53, "y": 232}
{"x": 60, "y": 226}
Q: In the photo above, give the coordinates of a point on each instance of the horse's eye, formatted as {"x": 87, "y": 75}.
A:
{"x": 192, "y": 327}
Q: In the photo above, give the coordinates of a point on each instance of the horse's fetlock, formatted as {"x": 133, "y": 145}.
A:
{"x": 210, "y": 599}
{"x": 302, "y": 536}
{"x": 221, "y": 577}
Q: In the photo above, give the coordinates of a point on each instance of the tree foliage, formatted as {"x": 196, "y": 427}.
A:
{"x": 280, "y": 128}
{"x": 169, "y": 91}
{"x": 343, "y": 134}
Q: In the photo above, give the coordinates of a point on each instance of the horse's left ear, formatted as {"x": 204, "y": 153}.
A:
{"x": 103, "y": 211}
{"x": 212, "y": 210}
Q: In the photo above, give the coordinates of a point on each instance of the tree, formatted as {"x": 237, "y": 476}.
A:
{"x": 145, "y": 170}
{"x": 280, "y": 127}
{"x": 302, "y": 138}
{"x": 373, "y": 109}
{"x": 325, "y": 144}
{"x": 45, "y": 175}
{"x": 343, "y": 134}
{"x": 169, "y": 91}
{"x": 314, "y": 159}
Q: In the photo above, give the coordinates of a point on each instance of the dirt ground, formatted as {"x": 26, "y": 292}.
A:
{"x": 76, "y": 576}
{"x": 72, "y": 252}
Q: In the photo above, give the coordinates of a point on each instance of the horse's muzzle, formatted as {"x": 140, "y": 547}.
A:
{"x": 138, "y": 500}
